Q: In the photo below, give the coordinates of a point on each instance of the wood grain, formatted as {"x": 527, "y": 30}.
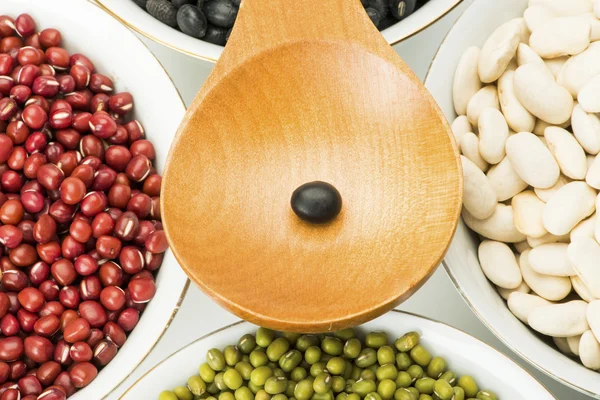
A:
{"x": 309, "y": 90}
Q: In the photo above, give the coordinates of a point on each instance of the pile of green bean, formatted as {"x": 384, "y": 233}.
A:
{"x": 288, "y": 366}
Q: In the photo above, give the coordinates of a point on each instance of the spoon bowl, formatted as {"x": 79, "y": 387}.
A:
{"x": 321, "y": 98}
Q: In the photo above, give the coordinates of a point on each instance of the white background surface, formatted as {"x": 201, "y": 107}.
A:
{"x": 438, "y": 299}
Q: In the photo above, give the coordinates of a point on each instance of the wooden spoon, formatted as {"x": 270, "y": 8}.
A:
{"x": 310, "y": 91}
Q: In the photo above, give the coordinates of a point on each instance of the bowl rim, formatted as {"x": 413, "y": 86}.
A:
{"x": 136, "y": 28}
{"x": 187, "y": 281}
{"x": 395, "y": 311}
{"x": 448, "y": 269}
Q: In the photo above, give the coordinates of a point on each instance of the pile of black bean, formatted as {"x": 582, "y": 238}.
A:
{"x": 212, "y": 20}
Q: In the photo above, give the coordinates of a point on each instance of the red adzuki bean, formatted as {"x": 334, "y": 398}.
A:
{"x": 80, "y": 231}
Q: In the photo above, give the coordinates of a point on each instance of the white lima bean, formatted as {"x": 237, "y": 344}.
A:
{"x": 573, "y": 342}
{"x": 469, "y": 146}
{"x": 536, "y": 16}
{"x": 570, "y": 205}
{"x": 597, "y": 226}
{"x": 551, "y": 259}
{"x": 567, "y": 151}
{"x": 541, "y": 125}
{"x": 486, "y": 97}
{"x": 493, "y": 132}
{"x": 553, "y": 288}
{"x": 584, "y": 256}
{"x": 594, "y": 25}
{"x": 517, "y": 116}
{"x": 499, "y": 226}
{"x": 586, "y": 128}
{"x": 505, "y": 293}
{"x": 547, "y": 238}
{"x": 522, "y": 304}
{"x": 554, "y": 65}
{"x": 593, "y": 317}
{"x": 528, "y": 209}
{"x": 589, "y": 350}
{"x": 560, "y": 320}
{"x": 588, "y": 95}
{"x": 479, "y": 197}
{"x": 505, "y": 180}
{"x": 532, "y": 160}
{"x": 597, "y": 8}
{"x": 590, "y": 160}
{"x": 579, "y": 69}
{"x": 466, "y": 80}
{"x": 564, "y": 8}
{"x": 546, "y": 194}
{"x": 460, "y": 126}
{"x": 499, "y": 264}
{"x": 537, "y": 90}
{"x": 498, "y": 50}
{"x": 581, "y": 289}
{"x": 592, "y": 177}
{"x": 585, "y": 228}
{"x": 562, "y": 345}
{"x": 522, "y": 246}
{"x": 525, "y": 32}
{"x": 561, "y": 36}
{"x": 525, "y": 55}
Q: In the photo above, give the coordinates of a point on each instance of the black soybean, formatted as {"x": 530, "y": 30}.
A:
{"x": 221, "y": 13}
{"x": 141, "y": 3}
{"x": 191, "y": 21}
{"x": 374, "y": 15}
{"x": 236, "y": 2}
{"x": 216, "y": 35}
{"x": 381, "y": 6}
{"x": 402, "y": 8}
{"x": 163, "y": 10}
{"x": 179, "y": 3}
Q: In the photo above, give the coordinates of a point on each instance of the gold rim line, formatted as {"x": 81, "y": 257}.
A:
{"x": 465, "y": 298}
{"x": 213, "y": 60}
{"x": 391, "y": 311}
{"x": 187, "y": 283}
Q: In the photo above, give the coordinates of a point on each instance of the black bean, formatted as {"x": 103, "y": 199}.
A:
{"x": 236, "y": 2}
{"x": 316, "y": 202}
{"x": 164, "y": 11}
{"x": 216, "y": 35}
{"x": 141, "y": 3}
{"x": 374, "y": 15}
{"x": 191, "y": 21}
{"x": 221, "y": 13}
{"x": 402, "y": 8}
{"x": 381, "y": 6}
{"x": 179, "y": 3}
{"x": 387, "y": 22}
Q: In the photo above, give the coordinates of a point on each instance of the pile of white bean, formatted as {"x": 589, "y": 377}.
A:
{"x": 530, "y": 138}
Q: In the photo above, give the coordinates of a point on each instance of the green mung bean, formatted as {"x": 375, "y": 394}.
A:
{"x": 289, "y": 366}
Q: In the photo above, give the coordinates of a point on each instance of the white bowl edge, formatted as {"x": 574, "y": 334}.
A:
{"x": 118, "y": 53}
{"x": 461, "y": 262}
{"x": 464, "y": 353}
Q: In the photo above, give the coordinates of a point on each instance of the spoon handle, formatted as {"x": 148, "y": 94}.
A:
{"x": 262, "y": 25}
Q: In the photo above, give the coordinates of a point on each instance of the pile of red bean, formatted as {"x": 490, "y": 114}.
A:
{"x": 80, "y": 230}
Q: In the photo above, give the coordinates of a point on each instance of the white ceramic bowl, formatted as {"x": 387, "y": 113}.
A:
{"x": 142, "y": 22}
{"x": 466, "y": 355}
{"x": 118, "y": 53}
{"x": 461, "y": 262}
